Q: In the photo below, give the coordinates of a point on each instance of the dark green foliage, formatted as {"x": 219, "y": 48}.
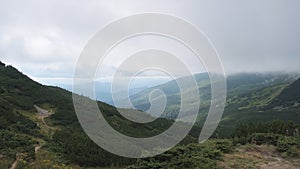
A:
{"x": 225, "y": 145}
{"x": 18, "y": 92}
{"x": 12, "y": 143}
{"x": 289, "y": 146}
{"x": 276, "y": 127}
{"x": 14, "y": 121}
{"x": 15, "y": 132}
{"x": 289, "y": 97}
{"x": 281, "y": 134}
{"x": 200, "y": 156}
{"x": 264, "y": 138}
{"x": 2, "y": 64}
{"x": 79, "y": 149}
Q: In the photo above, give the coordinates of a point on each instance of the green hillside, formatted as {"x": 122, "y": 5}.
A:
{"x": 289, "y": 97}
{"x": 251, "y": 146}
{"x": 60, "y": 138}
{"x": 56, "y": 140}
{"x": 244, "y": 91}
{"x": 250, "y": 97}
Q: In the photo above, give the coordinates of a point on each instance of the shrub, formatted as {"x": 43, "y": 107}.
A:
{"x": 289, "y": 146}
{"x": 265, "y": 138}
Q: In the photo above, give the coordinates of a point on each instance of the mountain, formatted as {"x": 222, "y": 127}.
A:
{"x": 103, "y": 91}
{"x": 39, "y": 128}
{"x": 289, "y": 97}
{"x": 244, "y": 90}
{"x": 55, "y": 137}
{"x": 172, "y": 91}
{"x": 250, "y": 97}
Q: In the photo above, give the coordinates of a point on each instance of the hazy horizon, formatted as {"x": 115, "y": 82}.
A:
{"x": 44, "y": 40}
{"x": 66, "y": 82}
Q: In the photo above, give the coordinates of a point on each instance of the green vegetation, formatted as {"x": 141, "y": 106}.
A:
{"x": 283, "y": 135}
{"x": 59, "y": 141}
{"x": 228, "y": 153}
{"x": 289, "y": 97}
{"x": 246, "y": 92}
{"x": 200, "y": 156}
{"x": 78, "y": 148}
{"x": 250, "y": 97}
{"x": 21, "y": 130}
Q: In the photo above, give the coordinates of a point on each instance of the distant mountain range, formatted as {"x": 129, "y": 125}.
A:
{"x": 103, "y": 90}
{"x": 249, "y": 96}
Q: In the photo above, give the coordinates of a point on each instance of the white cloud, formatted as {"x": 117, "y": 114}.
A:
{"x": 43, "y": 38}
{"x": 46, "y": 49}
{"x": 39, "y": 47}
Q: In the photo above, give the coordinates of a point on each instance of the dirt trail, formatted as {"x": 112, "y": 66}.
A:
{"x": 14, "y": 165}
{"x": 36, "y": 148}
{"x": 260, "y": 157}
{"x": 42, "y": 114}
{"x": 45, "y": 123}
{"x": 279, "y": 163}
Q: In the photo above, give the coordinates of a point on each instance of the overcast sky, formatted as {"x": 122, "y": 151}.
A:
{"x": 43, "y": 38}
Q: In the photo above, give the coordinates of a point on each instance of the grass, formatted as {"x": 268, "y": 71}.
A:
{"x": 264, "y": 97}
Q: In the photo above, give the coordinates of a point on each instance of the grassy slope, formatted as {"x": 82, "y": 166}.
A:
{"x": 289, "y": 97}
{"x": 249, "y": 98}
{"x": 282, "y": 95}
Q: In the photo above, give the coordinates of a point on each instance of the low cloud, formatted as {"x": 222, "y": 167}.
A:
{"x": 44, "y": 38}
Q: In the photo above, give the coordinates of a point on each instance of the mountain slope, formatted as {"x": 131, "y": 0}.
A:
{"x": 26, "y": 139}
{"x": 289, "y": 97}
{"x": 244, "y": 91}
{"x": 172, "y": 91}
{"x": 63, "y": 141}
{"x": 250, "y": 97}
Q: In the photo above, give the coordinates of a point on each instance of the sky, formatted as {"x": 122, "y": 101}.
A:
{"x": 44, "y": 38}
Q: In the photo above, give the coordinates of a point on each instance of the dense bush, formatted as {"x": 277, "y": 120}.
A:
{"x": 276, "y": 127}
{"x": 200, "y": 156}
{"x": 289, "y": 146}
{"x": 281, "y": 134}
{"x": 79, "y": 149}
{"x": 12, "y": 143}
{"x": 243, "y": 132}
